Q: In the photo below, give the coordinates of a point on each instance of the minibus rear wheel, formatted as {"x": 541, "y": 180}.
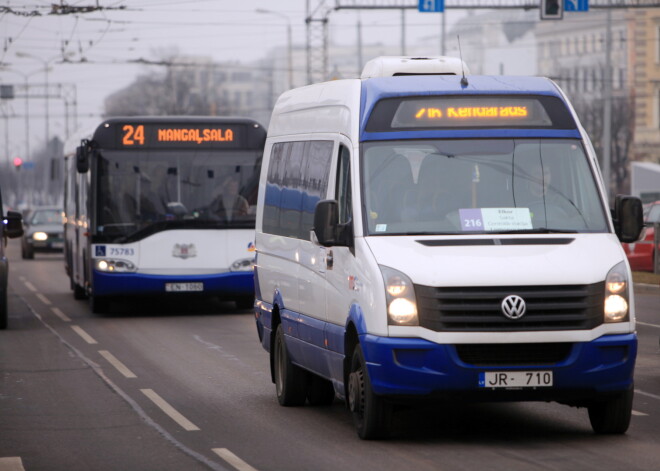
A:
{"x": 290, "y": 380}
{"x": 612, "y": 416}
{"x": 372, "y": 415}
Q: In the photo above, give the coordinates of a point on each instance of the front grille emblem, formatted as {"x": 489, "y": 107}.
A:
{"x": 513, "y": 307}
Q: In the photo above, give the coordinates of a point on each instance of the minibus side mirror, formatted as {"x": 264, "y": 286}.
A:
{"x": 82, "y": 159}
{"x": 628, "y": 218}
{"x": 13, "y": 224}
{"x": 327, "y": 229}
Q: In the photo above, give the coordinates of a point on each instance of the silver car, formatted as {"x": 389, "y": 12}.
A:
{"x": 43, "y": 231}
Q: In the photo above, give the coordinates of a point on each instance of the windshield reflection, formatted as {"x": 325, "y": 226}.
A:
{"x": 146, "y": 191}
{"x": 479, "y": 186}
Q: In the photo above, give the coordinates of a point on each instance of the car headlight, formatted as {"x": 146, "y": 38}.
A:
{"x": 616, "y": 294}
{"x": 243, "y": 264}
{"x": 40, "y": 236}
{"x": 400, "y": 297}
{"x": 114, "y": 266}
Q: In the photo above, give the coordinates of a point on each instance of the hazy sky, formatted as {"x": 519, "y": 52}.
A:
{"x": 93, "y": 50}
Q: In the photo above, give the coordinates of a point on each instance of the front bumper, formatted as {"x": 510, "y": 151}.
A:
{"x": 401, "y": 367}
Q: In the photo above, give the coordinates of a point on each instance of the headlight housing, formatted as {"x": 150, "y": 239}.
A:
{"x": 243, "y": 264}
{"x": 40, "y": 236}
{"x": 114, "y": 266}
{"x": 617, "y": 298}
{"x": 400, "y": 297}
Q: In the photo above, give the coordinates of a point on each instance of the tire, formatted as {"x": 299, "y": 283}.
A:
{"x": 372, "y": 415}
{"x": 98, "y": 304}
{"x": 4, "y": 312}
{"x": 78, "y": 291}
{"x": 244, "y": 303}
{"x": 27, "y": 253}
{"x": 290, "y": 383}
{"x": 612, "y": 416}
{"x": 320, "y": 391}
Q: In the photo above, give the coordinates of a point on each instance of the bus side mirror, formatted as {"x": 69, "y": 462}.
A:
{"x": 82, "y": 159}
{"x": 628, "y": 218}
{"x": 13, "y": 224}
{"x": 327, "y": 229}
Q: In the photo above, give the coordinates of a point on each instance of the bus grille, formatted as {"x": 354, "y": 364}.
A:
{"x": 479, "y": 308}
{"x": 513, "y": 354}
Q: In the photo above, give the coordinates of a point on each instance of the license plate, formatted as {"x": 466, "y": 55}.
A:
{"x": 183, "y": 287}
{"x": 515, "y": 379}
{"x": 57, "y": 245}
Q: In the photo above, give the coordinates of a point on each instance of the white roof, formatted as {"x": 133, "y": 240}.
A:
{"x": 388, "y": 66}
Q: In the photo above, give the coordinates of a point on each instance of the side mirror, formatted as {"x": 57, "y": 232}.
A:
{"x": 628, "y": 218}
{"x": 327, "y": 229}
{"x": 82, "y": 157}
{"x": 13, "y": 224}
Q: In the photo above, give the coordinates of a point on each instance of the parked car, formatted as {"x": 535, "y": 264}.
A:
{"x": 10, "y": 227}
{"x": 640, "y": 254}
{"x": 43, "y": 231}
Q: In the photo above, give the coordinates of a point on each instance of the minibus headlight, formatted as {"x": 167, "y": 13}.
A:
{"x": 400, "y": 297}
{"x": 114, "y": 266}
{"x": 243, "y": 264}
{"x": 616, "y": 294}
{"x": 40, "y": 236}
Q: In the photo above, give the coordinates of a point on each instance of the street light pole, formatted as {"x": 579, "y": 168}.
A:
{"x": 27, "y": 111}
{"x": 288, "y": 38}
{"x": 45, "y": 63}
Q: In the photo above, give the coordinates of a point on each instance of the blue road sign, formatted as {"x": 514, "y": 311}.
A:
{"x": 574, "y": 5}
{"x": 432, "y": 6}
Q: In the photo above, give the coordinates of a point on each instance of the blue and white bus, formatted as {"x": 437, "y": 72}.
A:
{"x": 163, "y": 205}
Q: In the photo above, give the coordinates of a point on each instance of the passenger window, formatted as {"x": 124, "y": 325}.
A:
{"x": 344, "y": 197}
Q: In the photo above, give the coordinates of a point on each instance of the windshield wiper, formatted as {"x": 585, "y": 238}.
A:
{"x": 538, "y": 230}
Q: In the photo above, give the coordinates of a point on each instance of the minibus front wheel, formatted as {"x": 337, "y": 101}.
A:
{"x": 372, "y": 415}
{"x": 612, "y": 416}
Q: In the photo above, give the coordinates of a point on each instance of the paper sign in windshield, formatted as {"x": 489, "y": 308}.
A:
{"x": 495, "y": 219}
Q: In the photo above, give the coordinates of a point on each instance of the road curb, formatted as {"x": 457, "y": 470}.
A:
{"x": 646, "y": 288}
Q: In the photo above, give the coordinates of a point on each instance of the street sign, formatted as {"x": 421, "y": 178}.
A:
{"x": 431, "y": 6}
{"x": 576, "y": 5}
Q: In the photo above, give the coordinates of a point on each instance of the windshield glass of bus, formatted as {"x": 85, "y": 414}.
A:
{"x": 479, "y": 186}
{"x": 137, "y": 190}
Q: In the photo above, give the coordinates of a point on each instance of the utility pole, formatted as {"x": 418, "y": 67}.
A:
{"x": 607, "y": 107}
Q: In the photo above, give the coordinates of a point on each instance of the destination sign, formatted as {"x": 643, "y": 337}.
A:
{"x": 135, "y": 135}
{"x": 472, "y": 111}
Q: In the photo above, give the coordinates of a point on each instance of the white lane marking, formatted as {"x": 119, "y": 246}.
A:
{"x": 232, "y": 459}
{"x": 57, "y": 311}
{"x": 13, "y": 463}
{"x": 85, "y": 336}
{"x": 22, "y": 278}
{"x": 44, "y": 299}
{"x": 639, "y": 414}
{"x": 30, "y": 286}
{"x": 119, "y": 366}
{"x": 649, "y": 325}
{"x": 169, "y": 410}
{"x": 654, "y": 396}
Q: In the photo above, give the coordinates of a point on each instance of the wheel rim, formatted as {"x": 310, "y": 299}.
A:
{"x": 279, "y": 365}
{"x": 356, "y": 392}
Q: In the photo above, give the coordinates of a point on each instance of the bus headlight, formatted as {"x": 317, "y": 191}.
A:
{"x": 616, "y": 294}
{"x": 41, "y": 236}
{"x": 400, "y": 297}
{"x": 114, "y": 266}
{"x": 243, "y": 264}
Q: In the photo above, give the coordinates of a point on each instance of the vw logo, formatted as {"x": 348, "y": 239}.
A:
{"x": 513, "y": 307}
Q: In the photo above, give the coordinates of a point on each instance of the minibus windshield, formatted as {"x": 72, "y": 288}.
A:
{"x": 476, "y": 186}
{"x": 141, "y": 192}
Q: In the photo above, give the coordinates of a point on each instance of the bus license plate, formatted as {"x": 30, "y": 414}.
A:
{"x": 183, "y": 287}
{"x": 515, "y": 379}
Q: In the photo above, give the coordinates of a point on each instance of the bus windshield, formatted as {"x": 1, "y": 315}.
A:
{"x": 142, "y": 192}
{"x": 479, "y": 186}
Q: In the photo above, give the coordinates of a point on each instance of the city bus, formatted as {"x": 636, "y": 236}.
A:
{"x": 162, "y": 206}
{"x": 425, "y": 235}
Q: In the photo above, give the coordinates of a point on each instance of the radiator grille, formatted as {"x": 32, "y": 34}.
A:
{"x": 516, "y": 354}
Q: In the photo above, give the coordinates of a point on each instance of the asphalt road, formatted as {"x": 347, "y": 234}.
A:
{"x": 185, "y": 385}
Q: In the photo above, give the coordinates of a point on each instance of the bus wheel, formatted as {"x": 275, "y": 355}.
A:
{"x": 78, "y": 291}
{"x": 320, "y": 391}
{"x": 4, "y": 313}
{"x": 245, "y": 303}
{"x": 289, "y": 379}
{"x": 612, "y": 416}
{"x": 98, "y": 304}
{"x": 372, "y": 415}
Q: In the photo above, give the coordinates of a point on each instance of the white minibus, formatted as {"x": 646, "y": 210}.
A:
{"x": 441, "y": 236}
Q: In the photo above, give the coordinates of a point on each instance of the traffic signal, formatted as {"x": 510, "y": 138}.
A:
{"x": 552, "y": 9}
{"x": 17, "y": 163}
